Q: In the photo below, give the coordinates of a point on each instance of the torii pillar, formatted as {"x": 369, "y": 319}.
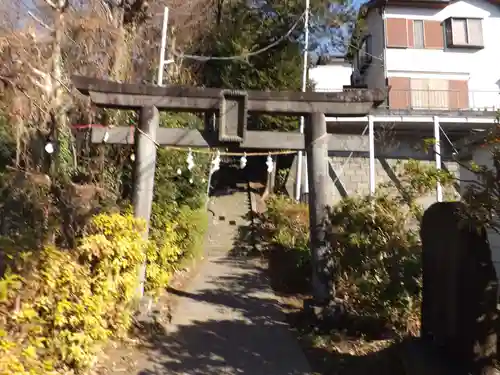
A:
{"x": 232, "y": 108}
{"x": 320, "y": 197}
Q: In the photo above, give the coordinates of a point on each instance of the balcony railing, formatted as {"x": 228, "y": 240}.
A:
{"x": 440, "y": 100}
{"x": 443, "y": 100}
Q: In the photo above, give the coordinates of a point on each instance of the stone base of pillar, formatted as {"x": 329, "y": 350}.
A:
{"x": 144, "y": 311}
{"x": 326, "y": 315}
{"x": 304, "y": 198}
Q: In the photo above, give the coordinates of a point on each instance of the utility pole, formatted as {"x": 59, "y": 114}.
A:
{"x": 437, "y": 150}
{"x": 298, "y": 179}
{"x": 164, "y": 33}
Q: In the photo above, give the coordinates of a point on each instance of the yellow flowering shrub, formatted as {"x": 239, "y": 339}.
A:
{"x": 58, "y": 320}
{"x": 161, "y": 260}
{"x": 173, "y": 237}
{"x": 59, "y": 306}
{"x": 55, "y": 317}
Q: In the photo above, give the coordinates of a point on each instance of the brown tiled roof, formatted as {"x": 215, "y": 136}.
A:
{"x": 408, "y": 3}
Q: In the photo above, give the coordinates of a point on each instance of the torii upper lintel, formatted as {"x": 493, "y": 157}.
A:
{"x": 108, "y": 94}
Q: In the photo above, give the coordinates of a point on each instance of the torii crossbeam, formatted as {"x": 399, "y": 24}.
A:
{"x": 231, "y": 108}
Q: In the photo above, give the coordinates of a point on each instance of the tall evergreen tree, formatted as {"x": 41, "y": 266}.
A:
{"x": 246, "y": 28}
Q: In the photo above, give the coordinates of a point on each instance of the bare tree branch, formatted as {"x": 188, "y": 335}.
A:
{"x": 37, "y": 19}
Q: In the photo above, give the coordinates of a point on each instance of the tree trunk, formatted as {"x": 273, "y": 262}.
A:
{"x": 121, "y": 58}
{"x": 58, "y": 121}
{"x": 18, "y": 121}
{"x": 60, "y": 127}
{"x": 120, "y": 69}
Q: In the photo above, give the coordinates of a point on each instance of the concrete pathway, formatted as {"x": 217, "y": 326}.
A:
{"x": 227, "y": 321}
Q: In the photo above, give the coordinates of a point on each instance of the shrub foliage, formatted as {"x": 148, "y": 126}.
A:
{"x": 374, "y": 244}
{"x": 69, "y": 261}
{"x": 58, "y": 307}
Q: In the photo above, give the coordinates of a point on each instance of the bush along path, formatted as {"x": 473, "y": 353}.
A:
{"x": 59, "y": 307}
{"x": 68, "y": 277}
{"x": 225, "y": 319}
{"x": 376, "y": 247}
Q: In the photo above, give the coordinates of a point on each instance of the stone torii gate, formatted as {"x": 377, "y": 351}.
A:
{"x": 231, "y": 108}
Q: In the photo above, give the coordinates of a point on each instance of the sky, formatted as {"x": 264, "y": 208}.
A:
{"x": 358, "y": 3}
{"x": 326, "y": 44}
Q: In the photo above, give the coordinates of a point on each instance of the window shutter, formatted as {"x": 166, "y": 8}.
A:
{"x": 459, "y": 94}
{"x": 409, "y": 30}
{"x": 439, "y": 92}
{"x": 418, "y": 33}
{"x": 399, "y": 92}
{"x": 459, "y": 30}
{"x": 419, "y": 93}
{"x": 396, "y": 33}
{"x": 433, "y": 34}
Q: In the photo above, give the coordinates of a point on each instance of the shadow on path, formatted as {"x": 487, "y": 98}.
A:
{"x": 230, "y": 323}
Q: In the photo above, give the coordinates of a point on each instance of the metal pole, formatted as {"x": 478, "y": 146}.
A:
{"x": 161, "y": 66}
{"x": 371, "y": 139}
{"x": 305, "y": 183}
{"x": 298, "y": 180}
{"x": 437, "y": 150}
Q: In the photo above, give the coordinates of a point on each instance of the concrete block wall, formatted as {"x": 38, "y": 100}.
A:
{"x": 350, "y": 176}
{"x": 353, "y": 172}
{"x": 354, "y": 175}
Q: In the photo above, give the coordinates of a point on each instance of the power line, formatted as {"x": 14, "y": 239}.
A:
{"x": 440, "y": 127}
{"x": 344, "y": 164}
{"x": 449, "y": 140}
{"x": 244, "y": 55}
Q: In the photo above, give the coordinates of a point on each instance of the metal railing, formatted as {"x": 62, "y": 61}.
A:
{"x": 439, "y": 100}
{"x": 484, "y": 100}
{"x": 443, "y": 100}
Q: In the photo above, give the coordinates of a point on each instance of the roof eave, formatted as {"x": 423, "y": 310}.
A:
{"x": 434, "y": 4}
